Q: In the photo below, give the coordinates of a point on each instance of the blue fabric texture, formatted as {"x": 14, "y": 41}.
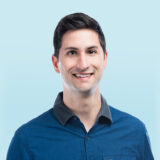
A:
{"x": 45, "y": 138}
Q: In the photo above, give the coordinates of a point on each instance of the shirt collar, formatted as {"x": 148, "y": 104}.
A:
{"x": 63, "y": 113}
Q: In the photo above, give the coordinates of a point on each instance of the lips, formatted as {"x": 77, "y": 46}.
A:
{"x": 82, "y": 75}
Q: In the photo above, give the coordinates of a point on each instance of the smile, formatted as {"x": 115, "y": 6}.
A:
{"x": 86, "y": 75}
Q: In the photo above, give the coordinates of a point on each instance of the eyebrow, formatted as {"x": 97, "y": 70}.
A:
{"x": 69, "y": 48}
{"x": 74, "y": 48}
{"x": 93, "y": 47}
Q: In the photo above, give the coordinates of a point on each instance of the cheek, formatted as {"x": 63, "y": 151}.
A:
{"x": 98, "y": 63}
{"x": 65, "y": 67}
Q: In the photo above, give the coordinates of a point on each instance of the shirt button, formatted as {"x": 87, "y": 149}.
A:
{"x": 75, "y": 118}
{"x": 87, "y": 137}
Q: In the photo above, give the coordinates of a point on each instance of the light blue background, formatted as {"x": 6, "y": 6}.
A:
{"x": 29, "y": 84}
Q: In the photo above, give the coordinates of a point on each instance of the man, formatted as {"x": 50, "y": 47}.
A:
{"x": 80, "y": 126}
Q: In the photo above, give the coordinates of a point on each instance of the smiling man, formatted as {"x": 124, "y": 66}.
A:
{"x": 81, "y": 125}
{"x": 81, "y": 63}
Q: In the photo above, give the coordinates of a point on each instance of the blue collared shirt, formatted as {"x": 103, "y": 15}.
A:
{"x": 58, "y": 134}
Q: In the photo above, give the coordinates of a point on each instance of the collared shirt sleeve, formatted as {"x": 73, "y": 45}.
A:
{"x": 18, "y": 150}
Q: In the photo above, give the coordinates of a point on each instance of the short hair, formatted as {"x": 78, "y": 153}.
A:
{"x": 76, "y": 21}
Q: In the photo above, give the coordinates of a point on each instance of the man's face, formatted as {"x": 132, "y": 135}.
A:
{"x": 81, "y": 60}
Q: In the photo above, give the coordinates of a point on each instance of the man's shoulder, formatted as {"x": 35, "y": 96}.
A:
{"x": 38, "y": 124}
{"x": 125, "y": 119}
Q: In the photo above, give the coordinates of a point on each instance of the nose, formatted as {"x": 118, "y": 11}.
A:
{"x": 82, "y": 62}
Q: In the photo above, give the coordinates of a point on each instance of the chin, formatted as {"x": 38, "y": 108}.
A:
{"x": 86, "y": 91}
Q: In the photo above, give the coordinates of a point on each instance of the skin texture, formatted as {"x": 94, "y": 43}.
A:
{"x": 81, "y": 64}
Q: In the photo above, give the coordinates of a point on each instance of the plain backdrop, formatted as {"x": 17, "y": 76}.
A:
{"x": 29, "y": 84}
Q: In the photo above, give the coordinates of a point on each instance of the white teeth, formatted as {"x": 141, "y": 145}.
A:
{"x": 82, "y": 75}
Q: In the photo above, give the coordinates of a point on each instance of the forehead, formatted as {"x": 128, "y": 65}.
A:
{"x": 80, "y": 38}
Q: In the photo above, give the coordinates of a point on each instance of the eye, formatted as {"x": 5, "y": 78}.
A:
{"x": 92, "y": 51}
{"x": 71, "y": 52}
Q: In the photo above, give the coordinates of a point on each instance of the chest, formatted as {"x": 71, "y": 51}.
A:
{"x": 103, "y": 145}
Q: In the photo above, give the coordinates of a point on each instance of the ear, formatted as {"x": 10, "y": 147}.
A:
{"x": 55, "y": 63}
{"x": 105, "y": 59}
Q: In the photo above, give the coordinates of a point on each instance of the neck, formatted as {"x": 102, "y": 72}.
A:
{"x": 85, "y": 105}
